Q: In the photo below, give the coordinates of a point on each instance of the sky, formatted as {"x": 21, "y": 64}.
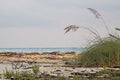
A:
{"x": 41, "y": 23}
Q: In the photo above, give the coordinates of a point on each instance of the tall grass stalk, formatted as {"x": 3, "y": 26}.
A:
{"x": 102, "y": 52}
{"x": 99, "y": 16}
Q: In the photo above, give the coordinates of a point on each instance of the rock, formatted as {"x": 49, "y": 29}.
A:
{"x": 55, "y": 53}
{"x": 83, "y": 71}
{"x": 70, "y": 76}
{"x": 12, "y": 78}
{"x": 44, "y": 75}
{"x": 58, "y": 71}
{"x": 105, "y": 75}
{"x": 89, "y": 75}
{"x": 76, "y": 73}
{"x": 47, "y": 66}
{"x": 116, "y": 66}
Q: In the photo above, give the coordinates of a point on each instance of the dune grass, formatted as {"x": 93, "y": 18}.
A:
{"x": 105, "y": 52}
{"x": 102, "y": 51}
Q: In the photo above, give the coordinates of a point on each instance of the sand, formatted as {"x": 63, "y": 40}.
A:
{"x": 54, "y": 70}
{"x": 49, "y": 63}
{"x": 43, "y": 59}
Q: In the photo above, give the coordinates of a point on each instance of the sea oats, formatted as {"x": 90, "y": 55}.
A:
{"x": 98, "y": 16}
{"x": 71, "y": 27}
{"x": 95, "y": 12}
{"x": 117, "y": 29}
{"x": 116, "y": 37}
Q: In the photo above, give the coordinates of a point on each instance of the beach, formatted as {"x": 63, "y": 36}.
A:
{"x": 43, "y": 59}
{"x": 49, "y": 63}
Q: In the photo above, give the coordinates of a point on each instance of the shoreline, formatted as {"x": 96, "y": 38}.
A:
{"x": 52, "y": 64}
{"x": 46, "y": 60}
{"x": 42, "y": 50}
{"x": 12, "y": 56}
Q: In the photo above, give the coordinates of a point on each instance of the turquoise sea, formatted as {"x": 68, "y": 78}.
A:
{"x": 39, "y": 50}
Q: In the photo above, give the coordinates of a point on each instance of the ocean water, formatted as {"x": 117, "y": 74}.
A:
{"x": 40, "y": 50}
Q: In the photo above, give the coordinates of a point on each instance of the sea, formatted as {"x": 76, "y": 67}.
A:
{"x": 40, "y": 50}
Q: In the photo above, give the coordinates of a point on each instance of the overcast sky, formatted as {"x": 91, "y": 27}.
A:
{"x": 41, "y": 23}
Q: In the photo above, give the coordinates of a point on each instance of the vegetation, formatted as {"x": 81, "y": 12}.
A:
{"x": 8, "y": 73}
{"x": 25, "y": 75}
{"x": 102, "y": 51}
{"x": 110, "y": 74}
{"x": 35, "y": 70}
{"x": 105, "y": 75}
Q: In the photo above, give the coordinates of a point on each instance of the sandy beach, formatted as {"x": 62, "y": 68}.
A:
{"x": 45, "y": 60}
{"x": 49, "y": 63}
{"x": 54, "y": 70}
